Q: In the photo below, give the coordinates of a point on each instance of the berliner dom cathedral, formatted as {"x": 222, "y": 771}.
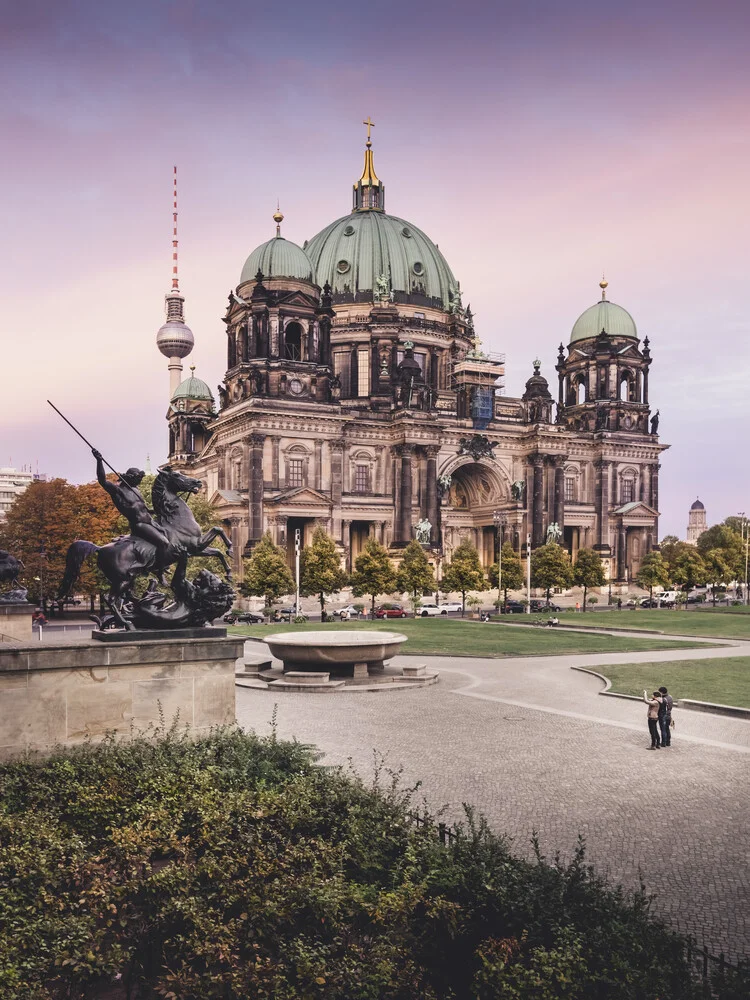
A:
{"x": 357, "y": 397}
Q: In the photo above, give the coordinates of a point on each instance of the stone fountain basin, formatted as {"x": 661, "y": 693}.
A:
{"x": 312, "y": 650}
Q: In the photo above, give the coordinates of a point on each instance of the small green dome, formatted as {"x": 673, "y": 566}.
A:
{"x": 354, "y": 251}
{"x": 193, "y": 388}
{"x": 278, "y": 258}
{"x": 607, "y": 316}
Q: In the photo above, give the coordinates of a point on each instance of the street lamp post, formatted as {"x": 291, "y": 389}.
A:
{"x": 500, "y": 520}
{"x": 745, "y": 535}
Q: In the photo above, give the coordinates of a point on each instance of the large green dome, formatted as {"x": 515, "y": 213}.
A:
{"x": 354, "y": 251}
{"x": 607, "y": 316}
{"x": 278, "y": 258}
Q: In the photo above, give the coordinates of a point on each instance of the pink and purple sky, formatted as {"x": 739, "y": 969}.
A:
{"x": 537, "y": 143}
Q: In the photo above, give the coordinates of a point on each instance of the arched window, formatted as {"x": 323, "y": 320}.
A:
{"x": 571, "y": 489}
{"x": 581, "y": 389}
{"x": 293, "y": 342}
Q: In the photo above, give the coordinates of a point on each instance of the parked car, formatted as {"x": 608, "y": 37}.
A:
{"x": 513, "y": 608}
{"x": 243, "y": 618}
{"x": 537, "y": 606}
{"x": 431, "y": 610}
{"x": 348, "y": 612}
{"x": 391, "y": 611}
{"x": 450, "y": 606}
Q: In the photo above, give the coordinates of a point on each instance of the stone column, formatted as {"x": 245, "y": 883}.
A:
{"x": 256, "y": 486}
{"x": 655, "y": 496}
{"x": 318, "y": 463}
{"x": 622, "y": 552}
{"x": 432, "y": 492}
{"x": 601, "y": 499}
{"x": 275, "y": 462}
{"x": 645, "y": 387}
{"x": 406, "y": 452}
{"x": 346, "y": 541}
{"x": 337, "y": 452}
{"x": 537, "y": 532}
{"x": 559, "y": 463}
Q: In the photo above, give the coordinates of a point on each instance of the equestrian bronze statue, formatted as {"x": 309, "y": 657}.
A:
{"x": 158, "y": 540}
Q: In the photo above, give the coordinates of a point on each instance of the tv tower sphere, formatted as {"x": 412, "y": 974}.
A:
{"x": 175, "y": 339}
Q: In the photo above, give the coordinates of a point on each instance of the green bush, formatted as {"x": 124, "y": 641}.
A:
{"x": 232, "y": 867}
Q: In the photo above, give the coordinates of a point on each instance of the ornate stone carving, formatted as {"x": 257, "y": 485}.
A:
{"x": 478, "y": 446}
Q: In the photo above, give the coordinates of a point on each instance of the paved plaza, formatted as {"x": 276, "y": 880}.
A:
{"x": 533, "y": 746}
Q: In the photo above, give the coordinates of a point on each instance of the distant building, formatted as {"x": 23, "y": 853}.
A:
{"x": 13, "y": 482}
{"x": 696, "y": 522}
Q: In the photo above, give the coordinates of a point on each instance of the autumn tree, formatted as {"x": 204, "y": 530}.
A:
{"x": 40, "y": 526}
{"x": 415, "y": 574}
{"x": 653, "y": 572}
{"x": 374, "y": 573}
{"x": 320, "y": 569}
{"x": 510, "y": 572}
{"x": 266, "y": 572}
{"x": 464, "y": 573}
{"x": 588, "y": 571}
{"x": 550, "y": 567}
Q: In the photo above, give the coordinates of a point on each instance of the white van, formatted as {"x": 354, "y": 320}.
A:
{"x": 667, "y": 597}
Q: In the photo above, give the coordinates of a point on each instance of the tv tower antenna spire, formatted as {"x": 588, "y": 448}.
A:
{"x": 175, "y": 339}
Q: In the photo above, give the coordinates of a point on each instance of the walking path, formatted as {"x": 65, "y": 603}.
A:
{"x": 533, "y": 746}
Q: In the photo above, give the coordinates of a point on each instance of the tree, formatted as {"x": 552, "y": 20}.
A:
{"x": 718, "y": 569}
{"x": 671, "y": 550}
{"x": 550, "y": 567}
{"x": 689, "y": 570}
{"x": 588, "y": 571}
{"x": 512, "y": 571}
{"x": 415, "y": 574}
{"x": 98, "y": 523}
{"x": 40, "y": 526}
{"x": 320, "y": 569}
{"x": 723, "y": 539}
{"x": 654, "y": 572}
{"x": 266, "y": 572}
{"x": 464, "y": 573}
{"x": 374, "y": 572}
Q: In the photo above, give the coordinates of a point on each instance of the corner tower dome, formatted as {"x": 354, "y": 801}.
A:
{"x": 369, "y": 249}
{"x": 278, "y": 258}
{"x": 604, "y": 315}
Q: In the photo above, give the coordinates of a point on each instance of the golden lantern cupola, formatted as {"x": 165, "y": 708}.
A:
{"x": 369, "y": 191}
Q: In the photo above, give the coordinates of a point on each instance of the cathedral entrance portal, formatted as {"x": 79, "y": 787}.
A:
{"x": 476, "y": 492}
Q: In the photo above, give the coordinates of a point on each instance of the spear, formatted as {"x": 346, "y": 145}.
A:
{"x": 123, "y": 481}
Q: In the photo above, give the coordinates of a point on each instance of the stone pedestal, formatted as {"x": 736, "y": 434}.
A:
{"x": 15, "y": 622}
{"x": 62, "y": 693}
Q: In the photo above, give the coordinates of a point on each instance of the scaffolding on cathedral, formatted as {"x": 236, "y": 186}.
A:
{"x": 476, "y": 378}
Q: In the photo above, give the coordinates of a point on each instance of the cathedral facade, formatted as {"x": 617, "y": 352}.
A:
{"x": 357, "y": 397}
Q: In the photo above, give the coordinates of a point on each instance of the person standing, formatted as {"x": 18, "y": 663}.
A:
{"x": 665, "y": 717}
{"x": 653, "y": 703}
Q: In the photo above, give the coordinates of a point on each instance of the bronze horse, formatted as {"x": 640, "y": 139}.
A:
{"x": 128, "y": 557}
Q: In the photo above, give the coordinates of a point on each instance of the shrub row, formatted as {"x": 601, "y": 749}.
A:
{"x": 233, "y": 867}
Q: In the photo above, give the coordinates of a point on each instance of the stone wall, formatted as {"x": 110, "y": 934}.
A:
{"x": 60, "y": 694}
{"x": 15, "y": 622}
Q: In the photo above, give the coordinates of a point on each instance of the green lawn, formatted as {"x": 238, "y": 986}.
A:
{"x": 471, "y": 638}
{"x": 731, "y": 623}
{"x": 725, "y": 681}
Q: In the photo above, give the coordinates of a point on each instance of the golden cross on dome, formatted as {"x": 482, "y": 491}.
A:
{"x": 369, "y": 125}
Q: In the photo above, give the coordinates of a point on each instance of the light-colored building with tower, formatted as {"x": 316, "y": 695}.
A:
{"x": 357, "y": 396}
{"x": 696, "y": 522}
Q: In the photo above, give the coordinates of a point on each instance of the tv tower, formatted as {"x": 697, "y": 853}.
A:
{"x": 175, "y": 339}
